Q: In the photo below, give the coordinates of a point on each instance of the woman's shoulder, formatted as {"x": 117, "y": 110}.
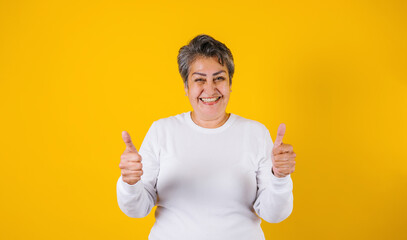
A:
{"x": 171, "y": 120}
{"x": 250, "y": 124}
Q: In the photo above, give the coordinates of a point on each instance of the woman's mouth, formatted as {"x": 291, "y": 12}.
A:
{"x": 210, "y": 101}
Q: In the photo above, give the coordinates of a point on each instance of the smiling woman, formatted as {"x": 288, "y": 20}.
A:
{"x": 208, "y": 92}
{"x": 211, "y": 174}
{"x": 205, "y": 66}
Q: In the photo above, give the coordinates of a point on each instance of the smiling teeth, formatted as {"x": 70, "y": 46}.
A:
{"x": 209, "y": 99}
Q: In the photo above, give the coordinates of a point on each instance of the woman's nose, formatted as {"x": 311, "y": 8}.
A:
{"x": 210, "y": 87}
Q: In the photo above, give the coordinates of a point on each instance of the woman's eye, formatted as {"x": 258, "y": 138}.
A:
{"x": 220, "y": 78}
{"x": 198, "y": 79}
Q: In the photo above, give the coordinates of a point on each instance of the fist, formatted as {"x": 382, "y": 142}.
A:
{"x": 283, "y": 155}
{"x": 130, "y": 163}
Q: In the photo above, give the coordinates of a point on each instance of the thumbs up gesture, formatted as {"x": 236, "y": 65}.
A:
{"x": 130, "y": 163}
{"x": 283, "y": 156}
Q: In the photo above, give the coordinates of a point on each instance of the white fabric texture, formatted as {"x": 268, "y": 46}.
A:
{"x": 207, "y": 183}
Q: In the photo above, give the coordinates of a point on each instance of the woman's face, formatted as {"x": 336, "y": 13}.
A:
{"x": 208, "y": 88}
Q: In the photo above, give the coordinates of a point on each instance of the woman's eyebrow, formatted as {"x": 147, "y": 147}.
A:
{"x": 203, "y": 74}
{"x": 218, "y": 72}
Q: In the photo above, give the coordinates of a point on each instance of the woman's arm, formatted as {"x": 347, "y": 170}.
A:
{"x": 274, "y": 201}
{"x": 138, "y": 199}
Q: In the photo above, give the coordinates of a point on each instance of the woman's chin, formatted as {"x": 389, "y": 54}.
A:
{"x": 211, "y": 110}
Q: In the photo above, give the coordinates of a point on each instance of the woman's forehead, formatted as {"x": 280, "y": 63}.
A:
{"x": 207, "y": 65}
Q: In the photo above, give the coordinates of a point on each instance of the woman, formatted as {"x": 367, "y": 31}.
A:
{"x": 212, "y": 174}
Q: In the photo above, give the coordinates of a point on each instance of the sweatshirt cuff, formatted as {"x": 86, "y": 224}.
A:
{"x": 127, "y": 188}
{"x": 280, "y": 183}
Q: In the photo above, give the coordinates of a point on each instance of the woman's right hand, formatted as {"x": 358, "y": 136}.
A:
{"x": 130, "y": 163}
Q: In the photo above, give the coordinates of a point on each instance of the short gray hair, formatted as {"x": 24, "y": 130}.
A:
{"x": 204, "y": 46}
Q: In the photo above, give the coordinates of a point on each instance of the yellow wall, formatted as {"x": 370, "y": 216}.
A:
{"x": 74, "y": 74}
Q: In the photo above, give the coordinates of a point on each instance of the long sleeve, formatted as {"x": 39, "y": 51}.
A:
{"x": 137, "y": 200}
{"x": 274, "y": 200}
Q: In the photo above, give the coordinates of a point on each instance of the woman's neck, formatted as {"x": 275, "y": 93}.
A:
{"x": 212, "y": 123}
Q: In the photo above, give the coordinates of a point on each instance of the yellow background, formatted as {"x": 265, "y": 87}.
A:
{"x": 74, "y": 74}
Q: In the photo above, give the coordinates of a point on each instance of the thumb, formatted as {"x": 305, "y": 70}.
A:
{"x": 127, "y": 140}
{"x": 280, "y": 135}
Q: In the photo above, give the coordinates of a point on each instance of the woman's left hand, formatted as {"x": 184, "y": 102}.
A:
{"x": 283, "y": 155}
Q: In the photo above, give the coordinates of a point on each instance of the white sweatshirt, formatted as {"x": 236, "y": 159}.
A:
{"x": 207, "y": 183}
